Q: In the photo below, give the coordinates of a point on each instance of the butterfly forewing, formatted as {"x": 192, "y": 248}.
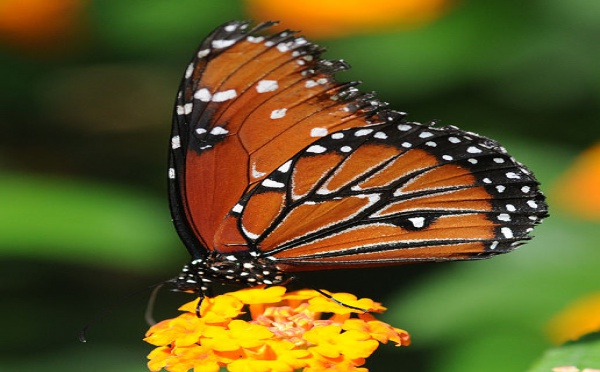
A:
{"x": 246, "y": 105}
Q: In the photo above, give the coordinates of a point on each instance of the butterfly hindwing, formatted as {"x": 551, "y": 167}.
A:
{"x": 396, "y": 192}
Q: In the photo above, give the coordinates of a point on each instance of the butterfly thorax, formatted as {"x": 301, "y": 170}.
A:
{"x": 199, "y": 274}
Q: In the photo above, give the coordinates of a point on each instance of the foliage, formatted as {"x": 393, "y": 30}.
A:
{"x": 85, "y": 118}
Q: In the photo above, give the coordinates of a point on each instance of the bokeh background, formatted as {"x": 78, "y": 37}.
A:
{"x": 86, "y": 95}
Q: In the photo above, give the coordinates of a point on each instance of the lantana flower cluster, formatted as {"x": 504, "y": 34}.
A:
{"x": 281, "y": 332}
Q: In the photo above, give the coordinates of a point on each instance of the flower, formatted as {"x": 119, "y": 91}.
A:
{"x": 36, "y": 26}
{"x": 578, "y": 190}
{"x": 578, "y": 319}
{"x": 284, "y": 332}
{"x": 327, "y": 18}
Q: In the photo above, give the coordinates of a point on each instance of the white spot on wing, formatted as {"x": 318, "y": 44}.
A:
{"x": 224, "y": 95}
{"x": 267, "y": 182}
{"x": 310, "y": 84}
{"x": 237, "y": 208}
{"x": 220, "y": 44}
{"x": 404, "y": 127}
{"x": 278, "y": 114}
{"x": 218, "y": 131}
{"x": 285, "y": 167}
{"x": 185, "y": 109}
{"x": 256, "y": 173}
{"x": 250, "y": 236}
{"x": 504, "y": 217}
{"x": 316, "y": 149}
{"x": 175, "y": 142}
{"x": 264, "y": 86}
{"x": 417, "y": 222}
{"x": 171, "y": 173}
{"x": 508, "y": 234}
{"x": 318, "y": 132}
{"x": 512, "y": 175}
{"x": 203, "y": 95}
{"x": 189, "y": 70}
{"x": 362, "y": 132}
{"x": 203, "y": 53}
{"x": 322, "y": 191}
{"x": 283, "y": 47}
{"x": 255, "y": 39}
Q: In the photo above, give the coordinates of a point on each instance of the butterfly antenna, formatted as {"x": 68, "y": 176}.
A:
{"x": 149, "y": 313}
{"x": 340, "y": 302}
{"x": 201, "y": 295}
{"x": 200, "y": 299}
{"x": 82, "y": 335}
{"x": 330, "y": 297}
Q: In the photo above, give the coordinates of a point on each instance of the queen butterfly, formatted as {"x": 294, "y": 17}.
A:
{"x": 275, "y": 167}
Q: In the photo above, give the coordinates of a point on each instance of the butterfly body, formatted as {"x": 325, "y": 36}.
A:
{"x": 275, "y": 167}
{"x": 242, "y": 269}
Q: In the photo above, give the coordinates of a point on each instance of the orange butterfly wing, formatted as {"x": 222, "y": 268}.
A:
{"x": 246, "y": 105}
{"x": 272, "y": 158}
{"x": 393, "y": 193}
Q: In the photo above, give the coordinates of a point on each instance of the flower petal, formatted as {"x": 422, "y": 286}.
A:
{"x": 260, "y": 295}
{"x": 286, "y": 333}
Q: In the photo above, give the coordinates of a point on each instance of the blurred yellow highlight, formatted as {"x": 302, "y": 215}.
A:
{"x": 577, "y": 320}
{"x": 39, "y": 26}
{"x": 329, "y": 18}
{"x": 578, "y": 190}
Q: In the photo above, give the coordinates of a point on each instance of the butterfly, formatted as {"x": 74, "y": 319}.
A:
{"x": 275, "y": 168}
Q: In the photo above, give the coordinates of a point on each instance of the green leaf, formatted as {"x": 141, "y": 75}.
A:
{"x": 75, "y": 221}
{"x": 582, "y": 354}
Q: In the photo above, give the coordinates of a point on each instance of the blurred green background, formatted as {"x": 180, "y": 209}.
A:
{"x": 84, "y": 220}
